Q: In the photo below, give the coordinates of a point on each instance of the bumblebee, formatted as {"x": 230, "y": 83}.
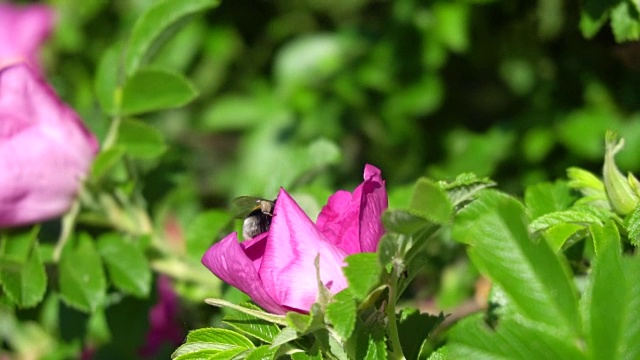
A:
{"x": 256, "y": 212}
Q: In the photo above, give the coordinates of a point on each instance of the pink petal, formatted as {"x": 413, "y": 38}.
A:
{"x": 254, "y": 249}
{"x": 352, "y": 221}
{"x": 23, "y": 29}
{"x": 287, "y": 271}
{"x": 374, "y": 202}
{"x": 45, "y": 150}
{"x": 228, "y": 261}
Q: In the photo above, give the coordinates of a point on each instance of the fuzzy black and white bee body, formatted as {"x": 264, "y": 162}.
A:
{"x": 257, "y": 214}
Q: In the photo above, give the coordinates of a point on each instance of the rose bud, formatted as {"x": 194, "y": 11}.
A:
{"x": 621, "y": 194}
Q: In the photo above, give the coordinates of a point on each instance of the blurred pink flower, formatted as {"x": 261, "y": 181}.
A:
{"x": 164, "y": 326}
{"x": 22, "y": 30}
{"x": 45, "y": 150}
{"x": 276, "y": 269}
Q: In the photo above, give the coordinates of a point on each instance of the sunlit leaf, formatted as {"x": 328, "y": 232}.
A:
{"x": 341, "y": 313}
{"x": 219, "y": 336}
{"x": 362, "y": 272}
{"x": 544, "y": 198}
{"x": 495, "y": 228}
{"x": 252, "y": 326}
{"x": 471, "y": 338}
{"x": 431, "y": 201}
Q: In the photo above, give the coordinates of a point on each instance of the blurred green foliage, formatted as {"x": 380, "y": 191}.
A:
{"x": 292, "y": 89}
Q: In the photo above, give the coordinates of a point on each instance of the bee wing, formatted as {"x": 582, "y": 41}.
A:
{"x": 242, "y": 206}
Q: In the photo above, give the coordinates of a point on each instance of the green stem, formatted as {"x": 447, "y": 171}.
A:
{"x": 68, "y": 223}
{"x": 396, "y": 352}
{"x": 112, "y": 134}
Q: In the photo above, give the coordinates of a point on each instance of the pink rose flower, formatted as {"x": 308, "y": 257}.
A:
{"x": 276, "y": 269}
{"x": 23, "y": 29}
{"x": 45, "y": 150}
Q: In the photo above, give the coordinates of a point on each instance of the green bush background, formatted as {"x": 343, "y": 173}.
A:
{"x": 291, "y": 89}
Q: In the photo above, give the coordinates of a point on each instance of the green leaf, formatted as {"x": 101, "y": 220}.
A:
{"x": 477, "y": 152}
{"x": 608, "y": 300}
{"x": 105, "y": 161}
{"x": 404, "y": 222}
{"x": 305, "y": 324}
{"x": 625, "y": 22}
{"x": 336, "y": 348}
{"x": 301, "y": 323}
{"x": 376, "y": 350}
{"x": 275, "y": 319}
{"x": 82, "y": 281}
{"x": 219, "y": 336}
{"x": 453, "y": 22}
{"x": 108, "y": 77}
{"x": 127, "y": 265}
{"x": 391, "y": 248}
{"x": 557, "y": 235}
{"x": 205, "y": 350}
{"x": 539, "y": 141}
{"x": 300, "y": 355}
{"x": 414, "y": 328}
{"x": 151, "y": 29}
{"x": 252, "y": 326}
{"x": 431, "y": 201}
{"x": 495, "y": 227}
{"x": 322, "y": 152}
{"x": 441, "y": 354}
{"x": 153, "y": 89}
{"x": 22, "y": 272}
{"x": 264, "y": 352}
{"x": 544, "y": 198}
{"x": 513, "y": 339}
{"x": 633, "y": 226}
{"x": 363, "y": 273}
{"x": 585, "y": 181}
{"x": 140, "y": 140}
{"x": 205, "y": 227}
{"x": 630, "y": 342}
{"x": 234, "y": 112}
{"x": 308, "y": 59}
{"x": 420, "y": 97}
{"x": 98, "y": 331}
{"x": 465, "y": 187}
{"x": 341, "y": 313}
{"x": 286, "y": 335}
{"x": 589, "y": 26}
{"x": 580, "y": 216}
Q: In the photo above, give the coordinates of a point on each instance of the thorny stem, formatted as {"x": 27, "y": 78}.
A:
{"x": 396, "y": 352}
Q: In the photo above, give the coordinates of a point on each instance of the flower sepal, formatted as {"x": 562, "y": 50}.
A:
{"x": 622, "y": 192}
